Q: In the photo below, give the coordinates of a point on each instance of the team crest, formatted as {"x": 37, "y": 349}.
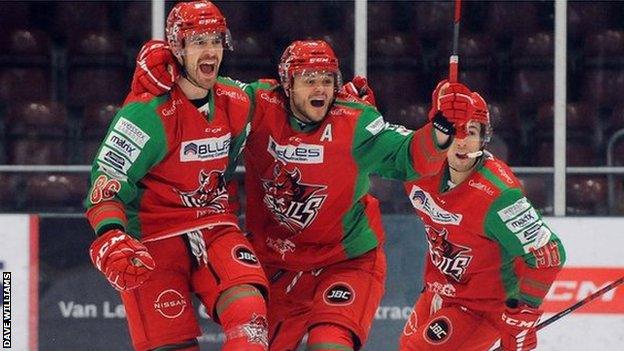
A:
{"x": 211, "y": 193}
{"x": 451, "y": 259}
{"x": 294, "y": 204}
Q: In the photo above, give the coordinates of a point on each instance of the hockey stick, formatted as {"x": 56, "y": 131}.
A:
{"x": 576, "y": 306}
{"x": 454, "y": 59}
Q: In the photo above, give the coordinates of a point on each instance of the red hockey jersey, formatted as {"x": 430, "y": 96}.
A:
{"x": 487, "y": 243}
{"x": 162, "y": 168}
{"x": 307, "y": 187}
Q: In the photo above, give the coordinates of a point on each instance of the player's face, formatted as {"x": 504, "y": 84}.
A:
{"x": 311, "y": 95}
{"x": 470, "y": 141}
{"x": 203, "y": 55}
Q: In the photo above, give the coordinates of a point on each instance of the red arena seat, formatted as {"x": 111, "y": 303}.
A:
{"x": 586, "y": 195}
{"x": 20, "y": 84}
{"x": 54, "y": 190}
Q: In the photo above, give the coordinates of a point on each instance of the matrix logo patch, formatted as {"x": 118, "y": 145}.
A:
{"x": 300, "y": 153}
{"x": 245, "y": 256}
{"x": 438, "y": 331}
{"x": 123, "y": 145}
{"x": 423, "y": 202}
{"x": 523, "y": 221}
{"x": 205, "y": 149}
{"x": 339, "y": 293}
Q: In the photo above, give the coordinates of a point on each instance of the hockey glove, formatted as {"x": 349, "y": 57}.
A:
{"x": 156, "y": 69}
{"x": 359, "y": 88}
{"x": 517, "y": 327}
{"x": 124, "y": 260}
{"x": 451, "y": 106}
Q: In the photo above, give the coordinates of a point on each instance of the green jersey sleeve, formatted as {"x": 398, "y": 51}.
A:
{"x": 521, "y": 231}
{"x": 383, "y": 148}
{"x": 135, "y": 142}
{"x": 516, "y": 224}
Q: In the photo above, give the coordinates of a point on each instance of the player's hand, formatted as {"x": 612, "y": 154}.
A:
{"x": 156, "y": 69}
{"x": 518, "y": 328}
{"x": 359, "y": 88}
{"x": 124, "y": 260}
{"x": 452, "y": 106}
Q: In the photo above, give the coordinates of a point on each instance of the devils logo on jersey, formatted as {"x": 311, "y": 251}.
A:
{"x": 451, "y": 259}
{"x": 211, "y": 193}
{"x": 294, "y": 204}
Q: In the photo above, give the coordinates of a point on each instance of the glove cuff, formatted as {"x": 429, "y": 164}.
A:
{"x": 442, "y": 124}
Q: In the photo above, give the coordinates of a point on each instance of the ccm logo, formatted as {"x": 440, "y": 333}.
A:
{"x": 567, "y": 290}
{"x": 339, "y": 294}
{"x": 576, "y": 283}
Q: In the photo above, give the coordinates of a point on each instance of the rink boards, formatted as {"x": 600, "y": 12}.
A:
{"x": 53, "y": 279}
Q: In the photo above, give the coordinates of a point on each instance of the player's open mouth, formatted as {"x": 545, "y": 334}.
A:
{"x": 317, "y": 102}
{"x": 461, "y": 156}
{"x": 207, "y": 68}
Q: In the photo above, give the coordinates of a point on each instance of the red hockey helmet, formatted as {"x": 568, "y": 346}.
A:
{"x": 310, "y": 56}
{"x": 192, "y": 18}
{"x": 480, "y": 115}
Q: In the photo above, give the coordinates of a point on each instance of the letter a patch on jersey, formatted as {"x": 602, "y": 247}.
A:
{"x": 327, "y": 133}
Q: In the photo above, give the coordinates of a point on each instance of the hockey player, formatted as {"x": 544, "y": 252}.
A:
{"x": 491, "y": 257}
{"x": 314, "y": 226}
{"x": 159, "y": 205}
{"x": 315, "y": 229}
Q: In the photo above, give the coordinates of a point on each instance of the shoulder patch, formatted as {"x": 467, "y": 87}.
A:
{"x": 132, "y": 131}
{"x": 424, "y": 202}
{"x": 514, "y": 209}
{"x": 525, "y": 223}
{"x": 376, "y": 126}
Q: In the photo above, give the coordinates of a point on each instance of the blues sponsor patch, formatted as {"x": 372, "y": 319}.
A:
{"x": 205, "y": 149}
{"x": 300, "y": 153}
{"x": 424, "y": 202}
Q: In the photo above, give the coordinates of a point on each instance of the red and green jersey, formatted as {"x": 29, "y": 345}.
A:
{"x": 162, "y": 168}
{"x": 487, "y": 243}
{"x": 307, "y": 186}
